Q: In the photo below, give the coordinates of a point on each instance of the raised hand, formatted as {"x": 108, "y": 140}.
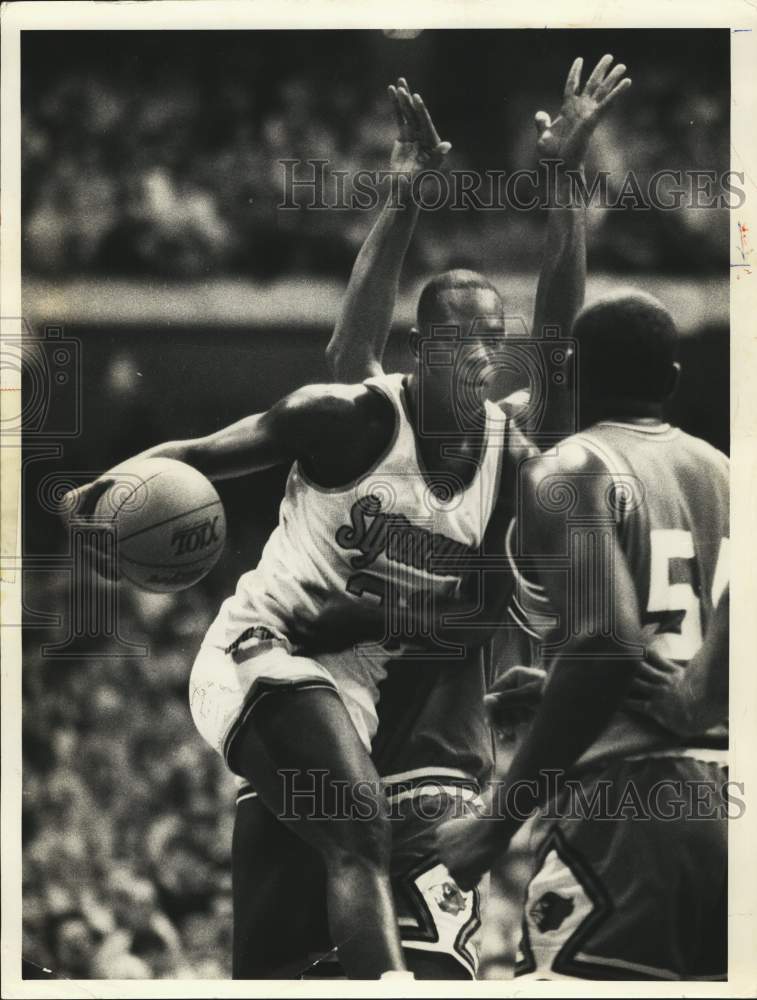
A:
{"x": 567, "y": 137}
{"x": 418, "y": 146}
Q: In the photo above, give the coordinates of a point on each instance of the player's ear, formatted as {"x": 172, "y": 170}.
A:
{"x": 673, "y": 376}
{"x": 414, "y": 342}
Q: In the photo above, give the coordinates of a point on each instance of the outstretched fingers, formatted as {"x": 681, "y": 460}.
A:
{"x": 403, "y": 127}
{"x": 615, "y": 92}
{"x": 598, "y": 74}
{"x": 428, "y": 134}
{"x": 574, "y": 77}
{"x": 406, "y": 103}
{"x": 609, "y": 81}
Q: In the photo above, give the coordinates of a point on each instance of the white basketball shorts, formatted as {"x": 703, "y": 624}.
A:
{"x": 227, "y": 683}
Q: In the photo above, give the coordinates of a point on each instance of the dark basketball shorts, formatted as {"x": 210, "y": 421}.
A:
{"x": 624, "y": 896}
{"x": 280, "y": 924}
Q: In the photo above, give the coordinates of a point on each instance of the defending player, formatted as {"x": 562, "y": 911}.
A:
{"x": 622, "y": 545}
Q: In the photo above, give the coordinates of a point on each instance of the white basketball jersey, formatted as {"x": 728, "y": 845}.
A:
{"x": 390, "y": 537}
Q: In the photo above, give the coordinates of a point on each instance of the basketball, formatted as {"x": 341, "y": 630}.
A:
{"x": 171, "y": 526}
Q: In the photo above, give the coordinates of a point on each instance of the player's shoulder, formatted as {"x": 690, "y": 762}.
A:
{"x": 572, "y": 457}
{"x": 571, "y": 475}
{"x": 329, "y": 399}
{"x": 703, "y": 451}
{"x": 333, "y": 411}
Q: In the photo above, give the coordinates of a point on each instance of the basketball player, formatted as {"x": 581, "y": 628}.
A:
{"x": 369, "y": 501}
{"x": 433, "y": 747}
{"x": 622, "y": 546}
{"x": 334, "y": 435}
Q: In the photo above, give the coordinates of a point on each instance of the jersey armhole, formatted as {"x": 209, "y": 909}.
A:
{"x": 346, "y": 487}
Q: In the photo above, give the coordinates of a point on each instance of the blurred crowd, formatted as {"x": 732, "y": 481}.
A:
{"x": 127, "y": 816}
{"x": 157, "y": 167}
{"x": 178, "y": 175}
{"x": 154, "y": 184}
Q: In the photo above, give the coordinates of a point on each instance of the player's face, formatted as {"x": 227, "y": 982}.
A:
{"x": 460, "y": 350}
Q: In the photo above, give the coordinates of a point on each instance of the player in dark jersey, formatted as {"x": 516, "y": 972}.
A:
{"x": 621, "y": 546}
{"x": 433, "y": 746}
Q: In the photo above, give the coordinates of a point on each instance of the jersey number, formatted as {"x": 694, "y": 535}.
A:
{"x": 676, "y": 606}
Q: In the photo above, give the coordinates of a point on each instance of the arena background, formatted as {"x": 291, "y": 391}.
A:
{"x": 152, "y": 237}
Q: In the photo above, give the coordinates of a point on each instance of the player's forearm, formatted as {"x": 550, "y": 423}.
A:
{"x": 193, "y": 453}
{"x": 702, "y": 704}
{"x": 188, "y": 451}
{"x": 592, "y": 671}
{"x": 180, "y": 451}
{"x": 242, "y": 448}
{"x": 709, "y": 669}
{"x": 703, "y": 692}
{"x": 362, "y": 329}
{"x": 561, "y": 290}
{"x": 579, "y": 701}
{"x": 562, "y": 280}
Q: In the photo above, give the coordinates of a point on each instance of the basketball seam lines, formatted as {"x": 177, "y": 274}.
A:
{"x": 142, "y": 483}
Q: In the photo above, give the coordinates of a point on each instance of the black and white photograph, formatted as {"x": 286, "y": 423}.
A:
{"x": 369, "y": 397}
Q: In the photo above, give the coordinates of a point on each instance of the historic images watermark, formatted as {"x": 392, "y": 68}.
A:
{"x": 313, "y": 795}
{"x": 316, "y": 184}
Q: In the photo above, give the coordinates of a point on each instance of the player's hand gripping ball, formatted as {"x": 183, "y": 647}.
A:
{"x": 171, "y": 526}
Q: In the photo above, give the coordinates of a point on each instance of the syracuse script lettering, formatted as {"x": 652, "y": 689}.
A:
{"x": 373, "y": 533}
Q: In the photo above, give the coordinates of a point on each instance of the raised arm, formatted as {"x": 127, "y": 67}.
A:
{"x": 357, "y": 344}
{"x": 562, "y": 279}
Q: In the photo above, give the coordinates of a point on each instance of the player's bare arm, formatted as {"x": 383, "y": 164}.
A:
{"x": 687, "y": 698}
{"x": 357, "y": 345}
{"x": 588, "y": 679}
{"x": 335, "y": 431}
{"x": 565, "y": 139}
{"x": 562, "y": 280}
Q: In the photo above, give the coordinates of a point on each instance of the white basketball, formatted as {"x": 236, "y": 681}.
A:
{"x": 171, "y": 526}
